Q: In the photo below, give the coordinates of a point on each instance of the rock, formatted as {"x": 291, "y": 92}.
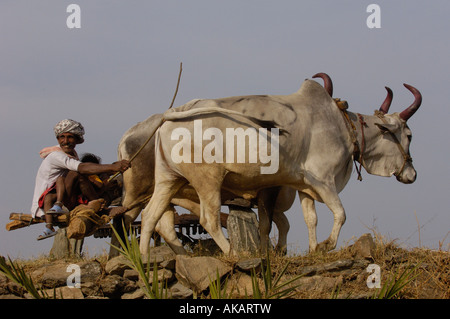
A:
{"x": 90, "y": 289}
{"x": 318, "y": 283}
{"x": 90, "y": 271}
{"x": 163, "y": 275}
{"x": 159, "y": 255}
{"x": 137, "y": 294}
{"x": 114, "y": 286}
{"x": 178, "y": 291}
{"x": 364, "y": 247}
{"x": 56, "y": 274}
{"x": 197, "y": 272}
{"x": 117, "y": 265}
{"x": 65, "y": 292}
{"x": 64, "y": 247}
{"x": 131, "y": 274}
{"x": 52, "y": 275}
{"x": 10, "y": 296}
{"x": 241, "y": 285}
{"x": 3, "y": 284}
{"x": 243, "y": 232}
{"x": 327, "y": 267}
{"x": 8, "y": 286}
{"x": 250, "y": 263}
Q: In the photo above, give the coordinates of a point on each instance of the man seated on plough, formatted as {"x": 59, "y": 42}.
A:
{"x": 61, "y": 171}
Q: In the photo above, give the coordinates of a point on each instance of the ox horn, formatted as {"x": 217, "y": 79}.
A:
{"x": 407, "y": 113}
{"x": 384, "y": 108}
{"x": 328, "y": 84}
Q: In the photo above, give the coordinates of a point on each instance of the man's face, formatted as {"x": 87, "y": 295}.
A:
{"x": 67, "y": 142}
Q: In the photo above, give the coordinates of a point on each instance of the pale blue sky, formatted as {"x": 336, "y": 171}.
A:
{"x": 122, "y": 65}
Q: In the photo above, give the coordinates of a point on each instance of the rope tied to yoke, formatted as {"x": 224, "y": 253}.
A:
{"x": 357, "y": 149}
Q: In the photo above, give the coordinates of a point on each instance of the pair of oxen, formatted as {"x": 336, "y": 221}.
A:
{"x": 316, "y": 140}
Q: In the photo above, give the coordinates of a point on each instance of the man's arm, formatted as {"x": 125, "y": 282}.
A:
{"x": 92, "y": 168}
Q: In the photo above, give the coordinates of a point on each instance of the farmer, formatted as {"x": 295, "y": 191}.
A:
{"x": 54, "y": 188}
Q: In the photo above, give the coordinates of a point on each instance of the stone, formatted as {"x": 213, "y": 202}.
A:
{"x": 241, "y": 285}
{"x": 131, "y": 274}
{"x": 364, "y": 247}
{"x": 117, "y": 265}
{"x": 114, "y": 286}
{"x": 178, "y": 291}
{"x": 160, "y": 254}
{"x": 64, "y": 247}
{"x": 56, "y": 274}
{"x": 10, "y": 296}
{"x": 243, "y": 231}
{"x": 318, "y": 283}
{"x": 197, "y": 272}
{"x": 65, "y": 292}
{"x": 163, "y": 275}
{"x": 52, "y": 275}
{"x": 137, "y": 294}
{"x": 250, "y": 263}
{"x": 3, "y": 284}
{"x": 90, "y": 270}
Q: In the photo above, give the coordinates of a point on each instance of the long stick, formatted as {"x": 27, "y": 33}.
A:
{"x": 159, "y": 124}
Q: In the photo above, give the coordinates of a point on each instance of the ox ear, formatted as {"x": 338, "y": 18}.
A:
{"x": 387, "y": 127}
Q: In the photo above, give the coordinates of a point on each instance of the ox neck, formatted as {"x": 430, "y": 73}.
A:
{"x": 364, "y": 134}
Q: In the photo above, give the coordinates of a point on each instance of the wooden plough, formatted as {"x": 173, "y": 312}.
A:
{"x": 187, "y": 224}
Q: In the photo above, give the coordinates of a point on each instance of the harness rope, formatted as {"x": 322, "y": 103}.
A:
{"x": 357, "y": 151}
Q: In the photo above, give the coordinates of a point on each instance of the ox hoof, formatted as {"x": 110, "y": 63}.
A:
{"x": 325, "y": 246}
{"x": 282, "y": 251}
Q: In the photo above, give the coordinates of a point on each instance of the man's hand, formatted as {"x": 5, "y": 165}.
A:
{"x": 93, "y": 168}
{"x": 122, "y": 166}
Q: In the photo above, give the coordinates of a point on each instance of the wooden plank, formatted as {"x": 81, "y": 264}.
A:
{"x": 20, "y": 220}
{"x": 16, "y": 224}
{"x": 60, "y": 218}
{"x": 20, "y": 216}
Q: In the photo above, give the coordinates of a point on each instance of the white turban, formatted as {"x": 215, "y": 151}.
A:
{"x": 70, "y": 126}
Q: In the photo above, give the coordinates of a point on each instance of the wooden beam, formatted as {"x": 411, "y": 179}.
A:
{"x": 20, "y": 220}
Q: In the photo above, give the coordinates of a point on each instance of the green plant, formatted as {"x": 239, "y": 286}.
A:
{"x": 17, "y": 274}
{"x": 217, "y": 290}
{"x": 272, "y": 287}
{"x": 396, "y": 284}
{"x": 130, "y": 249}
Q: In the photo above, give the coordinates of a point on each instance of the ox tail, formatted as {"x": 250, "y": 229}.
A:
{"x": 173, "y": 115}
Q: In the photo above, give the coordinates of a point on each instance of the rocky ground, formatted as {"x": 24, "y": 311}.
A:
{"x": 339, "y": 274}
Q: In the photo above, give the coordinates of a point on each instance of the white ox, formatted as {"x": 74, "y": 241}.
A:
{"x": 138, "y": 185}
{"x": 315, "y": 156}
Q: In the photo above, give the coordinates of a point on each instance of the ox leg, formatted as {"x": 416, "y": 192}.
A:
{"x": 266, "y": 202}
{"x": 333, "y": 202}
{"x": 210, "y": 202}
{"x": 164, "y": 191}
{"x": 166, "y": 228}
{"x": 310, "y": 216}
{"x": 284, "y": 201}
{"x": 280, "y": 219}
